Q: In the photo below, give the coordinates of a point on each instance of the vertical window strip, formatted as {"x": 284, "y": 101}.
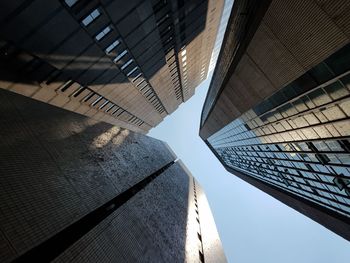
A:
{"x": 103, "y": 33}
{"x": 91, "y": 17}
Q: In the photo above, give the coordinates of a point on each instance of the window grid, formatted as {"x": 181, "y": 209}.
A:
{"x": 91, "y": 17}
{"x": 300, "y": 143}
{"x": 156, "y": 103}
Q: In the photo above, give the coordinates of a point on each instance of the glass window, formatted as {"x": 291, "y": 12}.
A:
{"x": 263, "y": 107}
{"x": 344, "y": 144}
{"x": 287, "y": 110}
{"x": 336, "y": 90}
{"x": 91, "y": 17}
{"x": 127, "y": 63}
{"x": 289, "y": 92}
{"x": 70, "y": 3}
{"x": 132, "y": 71}
{"x": 278, "y": 98}
{"x": 308, "y": 102}
{"x": 112, "y": 46}
{"x": 120, "y": 56}
{"x": 346, "y": 81}
{"x": 311, "y": 119}
{"x": 339, "y": 62}
{"x": 303, "y": 84}
{"x": 97, "y": 100}
{"x": 141, "y": 81}
{"x": 319, "y": 97}
{"x": 300, "y": 105}
{"x": 321, "y": 73}
{"x": 137, "y": 77}
{"x": 103, "y": 33}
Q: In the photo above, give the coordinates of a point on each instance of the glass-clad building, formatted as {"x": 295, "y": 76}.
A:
{"x": 277, "y": 110}
{"x": 298, "y": 139}
{"x": 128, "y": 63}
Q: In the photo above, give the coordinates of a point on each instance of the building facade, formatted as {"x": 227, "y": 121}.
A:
{"x": 128, "y": 63}
{"x": 277, "y": 111}
{"x": 74, "y": 189}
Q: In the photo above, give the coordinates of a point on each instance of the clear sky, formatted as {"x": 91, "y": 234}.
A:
{"x": 254, "y": 227}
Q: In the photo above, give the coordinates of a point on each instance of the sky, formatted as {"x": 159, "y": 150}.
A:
{"x": 253, "y": 226}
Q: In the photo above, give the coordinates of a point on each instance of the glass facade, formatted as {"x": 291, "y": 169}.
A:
{"x": 299, "y": 138}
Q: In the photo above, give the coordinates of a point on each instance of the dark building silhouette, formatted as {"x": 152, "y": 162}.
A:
{"x": 129, "y": 63}
{"x": 74, "y": 189}
{"x": 277, "y": 110}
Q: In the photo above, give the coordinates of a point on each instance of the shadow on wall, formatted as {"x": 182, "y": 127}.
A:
{"x": 57, "y": 166}
{"x": 56, "y": 46}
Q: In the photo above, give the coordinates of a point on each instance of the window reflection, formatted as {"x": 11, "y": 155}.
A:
{"x": 298, "y": 139}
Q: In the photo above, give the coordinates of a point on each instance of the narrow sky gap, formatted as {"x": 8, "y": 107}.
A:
{"x": 253, "y": 226}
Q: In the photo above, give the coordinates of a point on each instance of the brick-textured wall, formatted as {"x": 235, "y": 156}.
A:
{"x": 151, "y": 227}
{"x": 157, "y": 225}
{"x": 57, "y": 166}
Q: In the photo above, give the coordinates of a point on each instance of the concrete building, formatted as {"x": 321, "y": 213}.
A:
{"x": 128, "y": 63}
{"x": 277, "y": 111}
{"x": 74, "y": 189}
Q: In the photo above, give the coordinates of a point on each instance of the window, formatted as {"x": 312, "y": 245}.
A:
{"x": 142, "y": 81}
{"x": 112, "y": 46}
{"x": 70, "y": 3}
{"x": 336, "y": 90}
{"x": 309, "y": 167}
{"x": 339, "y": 61}
{"x": 91, "y": 17}
{"x": 341, "y": 183}
{"x": 120, "y": 56}
{"x": 103, "y": 33}
{"x": 144, "y": 87}
{"x": 127, "y": 63}
{"x": 321, "y": 73}
{"x": 89, "y": 96}
{"x": 136, "y": 78}
{"x": 111, "y": 107}
{"x": 319, "y": 97}
{"x": 322, "y": 158}
{"x": 78, "y": 91}
{"x": 345, "y": 144}
{"x": 104, "y": 104}
{"x": 160, "y": 21}
{"x": 117, "y": 109}
{"x": 66, "y": 85}
{"x": 132, "y": 71}
{"x": 97, "y": 100}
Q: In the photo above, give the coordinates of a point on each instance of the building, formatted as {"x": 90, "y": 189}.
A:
{"x": 74, "y": 189}
{"x": 277, "y": 110}
{"x": 128, "y": 63}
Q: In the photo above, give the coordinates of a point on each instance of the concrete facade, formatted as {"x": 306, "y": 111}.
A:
{"x": 277, "y": 113}
{"x": 283, "y": 40}
{"x": 74, "y": 189}
{"x": 129, "y": 63}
